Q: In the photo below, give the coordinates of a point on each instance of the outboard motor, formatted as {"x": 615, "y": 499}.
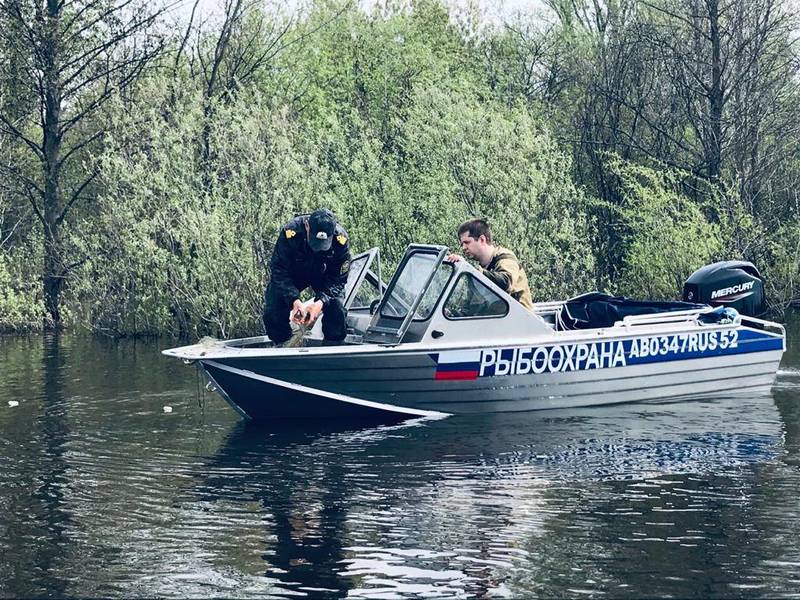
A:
{"x": 734, "y": 283}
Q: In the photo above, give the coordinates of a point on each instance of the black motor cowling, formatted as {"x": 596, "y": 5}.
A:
{"x": 734, "y": 283}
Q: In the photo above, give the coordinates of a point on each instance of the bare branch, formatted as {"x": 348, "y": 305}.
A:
{"x": 75, "y": 196}
{"x": 85, "y": 59}
{"x": 185, "y": 39}
{"x": 678, "y": 17}
{"x": 12, "y": 130}
{"x": 80, "y": 145}
{"x": 89, "y": 24}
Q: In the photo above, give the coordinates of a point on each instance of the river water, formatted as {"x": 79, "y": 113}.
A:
{"x": 103, "y": 493}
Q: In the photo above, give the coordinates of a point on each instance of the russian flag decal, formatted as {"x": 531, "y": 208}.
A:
{"x": 458, "y": 365}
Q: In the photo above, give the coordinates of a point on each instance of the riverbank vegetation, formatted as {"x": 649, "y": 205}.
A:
{"x": 148, "y": 162}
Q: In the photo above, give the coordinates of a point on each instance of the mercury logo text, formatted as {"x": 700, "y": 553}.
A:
{"x": 734, "y": 289}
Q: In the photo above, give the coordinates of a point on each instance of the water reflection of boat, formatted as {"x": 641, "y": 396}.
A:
{"x": 445, "y": 339}
{"x": 300, "y": 477}
{"x": 446, "y": 507}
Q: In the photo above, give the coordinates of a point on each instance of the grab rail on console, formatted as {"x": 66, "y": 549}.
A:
{"x": 545, "y": 308}
{"x": 678, "y": 316}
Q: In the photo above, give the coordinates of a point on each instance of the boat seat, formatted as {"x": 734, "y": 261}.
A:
{"x": 595, "y": 310}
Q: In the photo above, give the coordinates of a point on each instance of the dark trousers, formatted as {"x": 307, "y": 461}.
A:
{"x": 276, "y": 318}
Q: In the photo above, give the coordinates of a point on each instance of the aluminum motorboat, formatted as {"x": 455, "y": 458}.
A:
{"x": 441, "y": 339}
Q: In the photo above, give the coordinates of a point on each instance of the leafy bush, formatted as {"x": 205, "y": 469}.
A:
{"x": 665, "y": 235}
{"x": 21, "y": 304}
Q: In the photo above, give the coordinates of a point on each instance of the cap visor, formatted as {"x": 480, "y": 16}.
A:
{"x": 318, "y": 245}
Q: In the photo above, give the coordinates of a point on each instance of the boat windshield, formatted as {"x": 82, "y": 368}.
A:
{"x": 431, "y": 297}
{"x": 416, "y": 274}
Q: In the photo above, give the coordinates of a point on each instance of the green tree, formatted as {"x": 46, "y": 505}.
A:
{"x": 70, "y": 58}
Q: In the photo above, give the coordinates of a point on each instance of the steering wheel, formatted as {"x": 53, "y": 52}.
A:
{"x": 373, "y": 306}
{"x": 390, "y": 310}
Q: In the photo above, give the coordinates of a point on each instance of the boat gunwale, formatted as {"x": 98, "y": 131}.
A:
{"x": 223, "y": 350}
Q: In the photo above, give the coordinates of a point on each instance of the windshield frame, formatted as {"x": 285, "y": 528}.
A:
{"x": 390, "y": 329}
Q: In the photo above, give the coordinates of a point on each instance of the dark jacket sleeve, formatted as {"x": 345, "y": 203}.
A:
{"x": 279, "y": 266}
{"x": 336, "y": 275}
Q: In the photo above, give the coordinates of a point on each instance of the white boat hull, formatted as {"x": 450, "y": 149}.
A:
{"x": 365, "y": 383}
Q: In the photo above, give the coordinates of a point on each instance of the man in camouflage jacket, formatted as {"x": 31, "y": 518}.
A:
{"x": 497, "y": 264}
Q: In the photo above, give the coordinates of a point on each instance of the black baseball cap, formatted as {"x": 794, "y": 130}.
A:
{"x": 321, "y": 229}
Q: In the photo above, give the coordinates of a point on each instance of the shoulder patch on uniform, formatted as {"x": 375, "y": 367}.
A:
{"x": 290, "y": 233}
{"x": 341, "y": 239}
{"x": 345, "y": 267}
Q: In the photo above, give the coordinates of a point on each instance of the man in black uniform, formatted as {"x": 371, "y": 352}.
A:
{"x": 311, "y": 251}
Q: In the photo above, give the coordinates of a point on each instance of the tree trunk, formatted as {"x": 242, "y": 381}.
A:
{"x": 716, "y": 95}
{"x": 53, "y": 282}
{"x": 52, "y": 276}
